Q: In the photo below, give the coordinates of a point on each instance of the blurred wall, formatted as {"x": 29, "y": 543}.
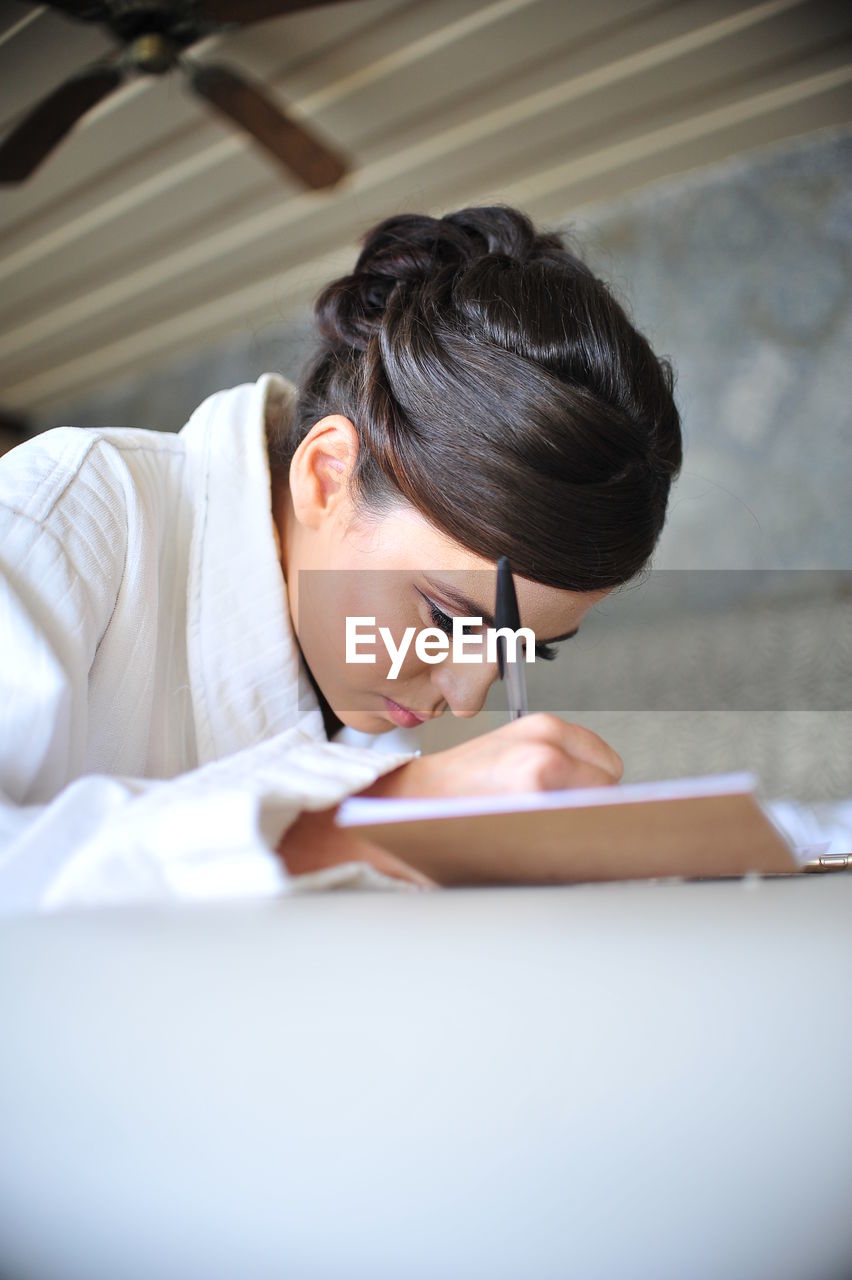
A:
{"x": 744, "y": 275}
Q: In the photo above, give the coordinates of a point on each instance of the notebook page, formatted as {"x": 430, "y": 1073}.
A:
{"x": 363, "y": 810}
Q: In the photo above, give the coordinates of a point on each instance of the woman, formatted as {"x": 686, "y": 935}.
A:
{"x": 170, "y": 703}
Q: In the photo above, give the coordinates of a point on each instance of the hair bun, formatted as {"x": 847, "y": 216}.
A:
{"x": 487, "y": 370}
{"x": 412, "y": 249}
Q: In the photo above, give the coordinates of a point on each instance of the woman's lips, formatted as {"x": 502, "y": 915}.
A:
{"x": 402, "y": 716}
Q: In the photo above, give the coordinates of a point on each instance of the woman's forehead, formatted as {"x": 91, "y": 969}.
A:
{"x": 417, "y": 545}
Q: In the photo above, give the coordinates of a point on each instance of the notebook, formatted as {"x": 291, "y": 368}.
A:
{"x": 687, "y": 827}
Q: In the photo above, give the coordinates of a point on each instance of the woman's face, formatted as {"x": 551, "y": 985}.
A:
{"x": 400, "y": 571}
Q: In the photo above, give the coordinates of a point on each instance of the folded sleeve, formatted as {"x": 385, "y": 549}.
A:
{"x": 210, "y": 833}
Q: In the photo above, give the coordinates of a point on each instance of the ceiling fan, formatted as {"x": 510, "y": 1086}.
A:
{"x": 155, "y": 34}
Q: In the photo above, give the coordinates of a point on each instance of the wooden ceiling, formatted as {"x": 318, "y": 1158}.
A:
{"x": 154, "y": 231}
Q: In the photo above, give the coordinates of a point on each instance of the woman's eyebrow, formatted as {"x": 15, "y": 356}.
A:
{"x": 473, "y": 611}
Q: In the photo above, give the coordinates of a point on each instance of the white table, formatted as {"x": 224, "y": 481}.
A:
{"x": 619, "y": 1080}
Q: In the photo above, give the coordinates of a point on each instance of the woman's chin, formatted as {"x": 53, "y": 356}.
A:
{"x": 365, "y": 721}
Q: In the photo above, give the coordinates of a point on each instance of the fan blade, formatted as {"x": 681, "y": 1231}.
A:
{"x": 34, "y": 138}
{"x": 246, "y": 11}
{"x": 85, "y": 10}
{"x": 246, "y": 105}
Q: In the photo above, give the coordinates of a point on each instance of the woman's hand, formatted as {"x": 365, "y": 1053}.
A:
{"x": 313, "y": 842}
{"x": 540, "y": 752}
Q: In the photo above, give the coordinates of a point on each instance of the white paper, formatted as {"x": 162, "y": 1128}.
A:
{"x": 362, "y": 810}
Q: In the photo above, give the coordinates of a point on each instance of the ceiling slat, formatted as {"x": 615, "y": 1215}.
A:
{"x": 610, "y": 96}
{"x": 203, "y": 211}
{"x": 267, "y": 300}
{"x": 160, "y": 214}
{"x": 546, "y": 104}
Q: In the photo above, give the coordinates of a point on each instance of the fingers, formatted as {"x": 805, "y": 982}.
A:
{"x": 585, "y": 746}
{"x": 581, "y": 774}
{"x": 395, "y": 867}
{"x": 542, "y": 766}
{"x": 313, "y": 842}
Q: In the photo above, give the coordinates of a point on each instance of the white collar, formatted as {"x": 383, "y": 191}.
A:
{"x": 247, "y": 677}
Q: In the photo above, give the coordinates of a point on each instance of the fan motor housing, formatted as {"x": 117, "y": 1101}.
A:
{"x": 153, "y": 52}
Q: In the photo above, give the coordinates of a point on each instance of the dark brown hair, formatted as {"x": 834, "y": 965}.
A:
{"x": 497, "y": 386}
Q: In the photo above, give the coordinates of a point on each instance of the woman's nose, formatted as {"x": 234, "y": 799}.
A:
{"x": 465, "y": 687}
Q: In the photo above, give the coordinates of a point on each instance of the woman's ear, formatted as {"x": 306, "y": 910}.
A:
{"x": 321, "y": 468}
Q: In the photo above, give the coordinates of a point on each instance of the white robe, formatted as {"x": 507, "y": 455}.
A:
{"x": 158, "y": 732}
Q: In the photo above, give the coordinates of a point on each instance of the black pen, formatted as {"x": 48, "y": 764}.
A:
{"x": 507, "y": 614}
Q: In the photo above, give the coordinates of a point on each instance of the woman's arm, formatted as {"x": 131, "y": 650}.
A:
{"x": 71, "y": 835}
{"x": 313, "y": 842}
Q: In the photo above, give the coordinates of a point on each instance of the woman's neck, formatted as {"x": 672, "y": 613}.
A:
{"x": 280, "y": 506}
{"x": 330, "y": 720}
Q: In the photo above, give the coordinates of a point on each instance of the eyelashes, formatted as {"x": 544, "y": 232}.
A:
{"x": 547, "y": 652}
{"x": 440, "y": 619}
